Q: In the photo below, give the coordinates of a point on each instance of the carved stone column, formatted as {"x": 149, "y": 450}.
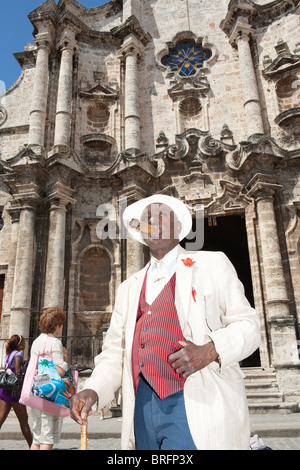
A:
{"x": 131, "y": 52}
{"x": 14, "y": 212}
{"x": 281, "y": 324}
{"x": 54, "y": 281}
{"x": 23, "y": 274}
{"x": 38, "y": 110}
{"x": 241, "y": 37}
{"x": 67, "y": 45}
{"x": 134, "y": 249}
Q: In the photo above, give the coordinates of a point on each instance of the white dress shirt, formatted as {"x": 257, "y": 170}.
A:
{"x": 56, "y": 353}
{"x": 168, "y": 268}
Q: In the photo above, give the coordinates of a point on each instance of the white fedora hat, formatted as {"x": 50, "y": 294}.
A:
{"x": 135, "y": 210}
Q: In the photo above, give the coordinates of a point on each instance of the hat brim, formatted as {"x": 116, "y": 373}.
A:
{"x": 135, "y": 210}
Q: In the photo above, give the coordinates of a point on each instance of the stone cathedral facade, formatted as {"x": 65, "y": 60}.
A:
{"x": 199, "y": 99}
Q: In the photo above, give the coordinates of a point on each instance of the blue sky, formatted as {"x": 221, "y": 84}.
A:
{"x": 16, "y": 31}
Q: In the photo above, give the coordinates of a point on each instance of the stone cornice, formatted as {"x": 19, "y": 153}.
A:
{"x": 131, "y": 45}
{"x": 257, "y": 15}
{"x": 45, "y": 12}
{"x": 284, "y": 63}
{"x": 60, "y": 195}
{"x": 131, "y": 27}
{"x": 263, "y": 186}
{"x": 28, "y": 195}
{"x": 25, "y": 58}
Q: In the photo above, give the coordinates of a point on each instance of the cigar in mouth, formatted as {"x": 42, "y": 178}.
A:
{"x": 143, "y": 227}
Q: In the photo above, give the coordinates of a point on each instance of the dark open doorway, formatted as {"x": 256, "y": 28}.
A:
{"x": 228, "y": 234}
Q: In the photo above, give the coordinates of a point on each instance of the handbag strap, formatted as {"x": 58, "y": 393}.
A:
{"x": 9, "y": 362}
{"x": 51, "y": 338}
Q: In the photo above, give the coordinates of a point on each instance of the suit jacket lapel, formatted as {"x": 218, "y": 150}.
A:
{"x": 183, "y": 287}
{"x": 134, "y": 297}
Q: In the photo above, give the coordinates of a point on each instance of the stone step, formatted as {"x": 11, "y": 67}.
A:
{"x": 261, "y": 386}
{"x": 265, "y": 397}
{"x": 263, "y": 392}
{"x": 259, "y": 374}
{"x": 280, "y": 408}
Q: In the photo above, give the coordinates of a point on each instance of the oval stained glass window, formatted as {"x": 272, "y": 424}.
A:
{"x": 186, "y": 58}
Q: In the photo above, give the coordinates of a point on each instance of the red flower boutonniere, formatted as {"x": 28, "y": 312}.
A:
{"x": 188, "y": 262}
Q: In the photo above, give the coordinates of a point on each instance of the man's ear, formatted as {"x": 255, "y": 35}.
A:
{"x": 178, "y": 228}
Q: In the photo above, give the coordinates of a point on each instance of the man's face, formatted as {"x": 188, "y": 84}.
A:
{"x": 163, "y": 218}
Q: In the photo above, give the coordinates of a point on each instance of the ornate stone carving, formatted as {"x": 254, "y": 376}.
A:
{"x": 186, "y": 61}
{"x": 257, "y": 147}
{"x": 231, "y": 199}
{"x": 99, "y": 90}
{"x": 195, "y": 146}
{"x": 283, "y": 63}
{"x": 3, "y": 115}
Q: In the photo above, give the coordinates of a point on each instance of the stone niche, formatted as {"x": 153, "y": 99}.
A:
{"x": 99, "y": 151}
{"x": 288, "y": 96}
{"x": 284, "y": 71}
{"x": 94, "y": 289}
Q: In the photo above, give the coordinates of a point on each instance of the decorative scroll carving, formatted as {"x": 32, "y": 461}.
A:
{"x": 195, "y": 145}
{"x": 3, "y": 115}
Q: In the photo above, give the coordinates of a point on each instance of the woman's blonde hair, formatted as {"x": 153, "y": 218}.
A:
{"x": 51, "y": 319}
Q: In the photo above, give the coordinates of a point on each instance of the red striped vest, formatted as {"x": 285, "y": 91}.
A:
{"x": 156, "y": 336}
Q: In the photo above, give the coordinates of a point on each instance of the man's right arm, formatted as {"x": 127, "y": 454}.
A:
{"x": 81, "y": 405}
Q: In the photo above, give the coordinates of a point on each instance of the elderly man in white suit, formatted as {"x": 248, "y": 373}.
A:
{"x": 196, "y": 374}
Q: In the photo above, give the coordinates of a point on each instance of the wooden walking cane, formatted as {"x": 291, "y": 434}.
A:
{"x": 83, "y": 438}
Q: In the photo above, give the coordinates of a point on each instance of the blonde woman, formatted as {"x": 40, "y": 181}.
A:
{"x": 47, "y": 427}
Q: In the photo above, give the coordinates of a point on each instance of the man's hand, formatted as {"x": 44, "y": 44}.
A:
{"x": 81, "y": 405}
{"x": 191, "y": 358}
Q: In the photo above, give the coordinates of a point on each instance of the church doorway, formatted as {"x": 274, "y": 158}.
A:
{"x": 228, "y": 234}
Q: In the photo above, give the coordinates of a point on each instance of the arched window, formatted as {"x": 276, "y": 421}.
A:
{"x": 95, "y": 274}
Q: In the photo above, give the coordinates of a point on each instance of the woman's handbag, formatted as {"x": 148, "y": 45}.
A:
{"x": 16, "y": 391}
{"x": 8, "y": 378}
{"x": 44, "y": 389}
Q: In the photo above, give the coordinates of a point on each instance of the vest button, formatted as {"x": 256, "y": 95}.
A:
{"x": 142, "y": 346}
{"x": 141, "y": 364}
{"x": 149, "y": 312}
{"x": 144, "y": 328}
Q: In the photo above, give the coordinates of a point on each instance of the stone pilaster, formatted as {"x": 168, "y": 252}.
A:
{"x": 38, "y": 110}
{"x": 241, "y": 37}
{"x": 130, "y": 53}
{"x": 59, "y": 198}
{"x": 14, "y": 212}
{"x": 134, "y": 249}
{"x": 281, "y": 324}
{"x": 67, "y": 46}
{"x": 23, "y": 273}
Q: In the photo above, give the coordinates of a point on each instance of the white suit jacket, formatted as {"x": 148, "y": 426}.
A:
{"x": 215, "y": 398}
